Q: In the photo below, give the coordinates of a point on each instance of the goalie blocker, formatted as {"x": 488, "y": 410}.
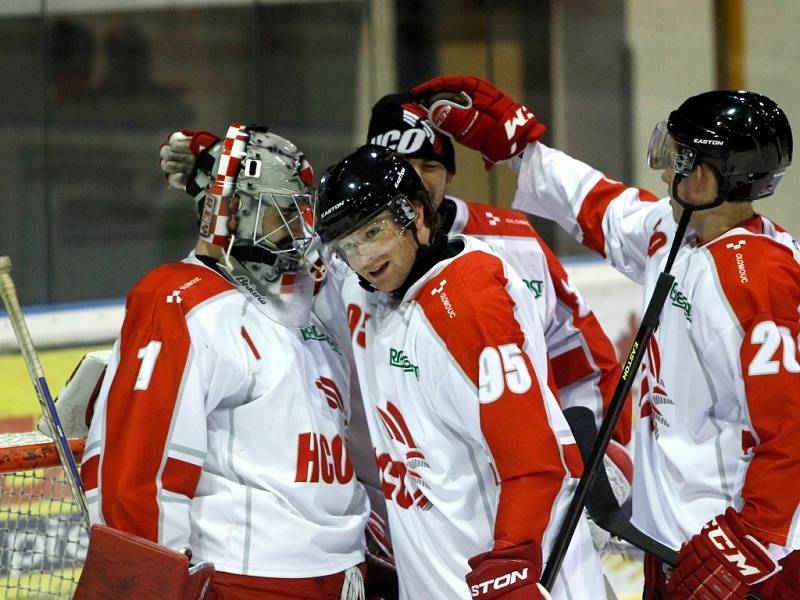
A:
{"x": 123, "y": 566}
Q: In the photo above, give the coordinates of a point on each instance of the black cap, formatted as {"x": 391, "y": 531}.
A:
{"x": 402, "y": 125}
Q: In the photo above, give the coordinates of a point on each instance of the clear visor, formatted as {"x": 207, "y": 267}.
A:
{"x": 380, "y": 237}
{"x": 284, "y": 222}
{"x": 664, "y": 152}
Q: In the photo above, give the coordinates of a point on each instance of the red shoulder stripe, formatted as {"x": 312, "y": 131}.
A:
{"x": 593, "y": 209}
{"x": 761, "y": 282}
{"x": 154, "y": 346}
{"x": 469, "y": 307}
{"x": 484, "y": 219}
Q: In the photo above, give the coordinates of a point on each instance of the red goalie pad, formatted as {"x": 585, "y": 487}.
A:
{"x": 124, "y": 566}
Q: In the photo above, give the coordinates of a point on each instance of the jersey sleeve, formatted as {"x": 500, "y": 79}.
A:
{"x": 148, "y": 440}
{"x": 487, "y": 342}
{"x": 623, "y": 224}
{"x": 763, "y": 289}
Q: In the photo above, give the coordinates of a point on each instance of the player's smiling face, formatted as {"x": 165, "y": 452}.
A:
{"x": 435, "y": 177}
{"x": 382, "y": 251}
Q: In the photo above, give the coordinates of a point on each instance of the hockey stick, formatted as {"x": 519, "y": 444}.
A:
{"x": 9, "y": 294}
{"x": 595, "y": 461}
{"x": 601, "y": 502}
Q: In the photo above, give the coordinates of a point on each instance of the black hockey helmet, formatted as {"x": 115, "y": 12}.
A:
{"x": 362, "y": 185}
{"x": 745, "y": 136}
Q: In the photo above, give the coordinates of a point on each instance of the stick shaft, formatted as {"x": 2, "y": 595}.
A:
{"x": 9, "y": 295}
{"x": 646, "y": 329}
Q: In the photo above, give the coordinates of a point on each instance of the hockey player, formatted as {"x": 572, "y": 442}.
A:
{"x": 717, "y": 452}
{"x": 584, "y": 365}
{"x": 476, "y": 459}
{"x": 222, "y": 418}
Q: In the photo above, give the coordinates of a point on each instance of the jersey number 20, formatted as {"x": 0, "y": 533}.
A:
{"x": 770, "y": 336}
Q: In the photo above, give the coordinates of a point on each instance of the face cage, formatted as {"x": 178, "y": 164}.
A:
{"x": 302, "y": 206}
{"x": 399, "y": 211}
{"x": 664, "y": 152}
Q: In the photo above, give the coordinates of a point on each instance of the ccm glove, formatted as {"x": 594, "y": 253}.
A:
{"x": 178, "y": 154}
{"x": 480, "y": 116}
{"x": 721, "y": 562}
{"x": 511, "y": 574}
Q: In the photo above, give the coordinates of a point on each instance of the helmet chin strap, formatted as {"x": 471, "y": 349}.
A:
{"x": 692, "y": 207}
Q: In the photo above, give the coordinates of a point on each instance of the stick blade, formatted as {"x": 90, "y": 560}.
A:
{"x": 601, "y": 503}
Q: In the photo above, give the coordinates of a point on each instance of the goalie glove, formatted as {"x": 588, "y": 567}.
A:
{"x": 179, "y": 152}
{"x": 75, "y": 402}
{"x": 511, "y": 574}
{"x": 480, "y": 116}
{"x": 721, "y": 562}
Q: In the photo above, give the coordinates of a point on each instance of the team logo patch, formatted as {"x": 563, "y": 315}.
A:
{"x": 401, "y": 480}
{"x": 680, "y": 301}
{"x": 398, "y": 358}
{"x": 535, "y": 286}
{"x": 654, "y": 395}
{"x": 439, "y": 291}
{"x": 174, "y": 297}
{"x": 312, "y": 333}
{"x": 736, "y": 245}
{"x": 493, "y": 219}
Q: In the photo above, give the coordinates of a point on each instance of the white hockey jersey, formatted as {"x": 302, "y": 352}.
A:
{"x": 583, "y": 361}
{"x": 222, "y": 429}
{"x": 472, "y": 447}
{"x": 720, "y": 400}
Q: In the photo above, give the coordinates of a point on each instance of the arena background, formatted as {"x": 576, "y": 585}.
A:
{"x": 92, "y": 87}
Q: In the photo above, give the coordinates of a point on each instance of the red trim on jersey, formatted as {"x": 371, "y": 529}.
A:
{"x": 180, "y": 477}
{"x": 89, "y": 473}
{"x": 401, "y": 423}
{"x": 138, "y": 422}
{"x": 574, "y": 365}
{"x": 761, "y": 282}
{"x": 515, "y": 426}
{"x": 250, "y": 343}
{"x": 754, "y": 224}
{"x": 572, "y": 456}
{"x": 391, "y": 427}
{"x": 484, "y": 219}
{"x": 593, "y": 209}
{"x": 570, "y": 367}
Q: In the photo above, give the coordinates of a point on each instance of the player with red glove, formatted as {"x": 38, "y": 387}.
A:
{"x": 716, "y": 448}
{"x": 511, "y": 574}
{"x": 479, "y": 116}
{"x": 721, "y": 562}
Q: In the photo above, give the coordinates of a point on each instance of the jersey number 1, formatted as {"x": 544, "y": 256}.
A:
{"x": 148, "y": 354}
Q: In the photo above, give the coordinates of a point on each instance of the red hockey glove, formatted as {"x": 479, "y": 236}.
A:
{"x": 484, "y": 118}
{"x": 511, "y": 574}
{"x": 721, "y": 562}
{"x": 178, "y": 154}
